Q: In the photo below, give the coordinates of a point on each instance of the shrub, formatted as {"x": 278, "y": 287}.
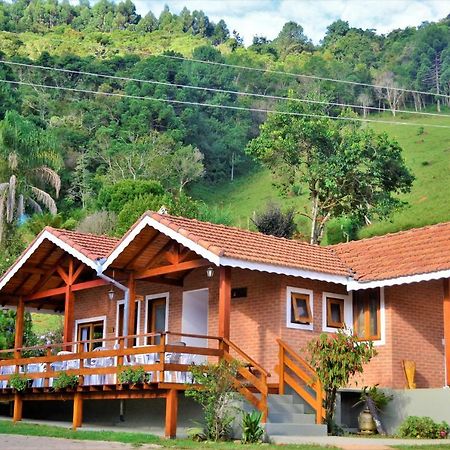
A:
{"x": 132, "y": 375}
{"x": 336, "y": 358}
{"x": 275, "y": 222}
{"x": 252, "y": 431}
{"x": 100, "y": 222}
{"x": 216, "y": 396}
{"x": 65, "y": 381}
{"x": 18, "y": 382}
{"x": 378, "y": 397}
{"x": 423, "y": 428}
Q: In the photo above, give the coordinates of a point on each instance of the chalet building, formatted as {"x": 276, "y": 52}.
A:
{"x": 175, "y": 292}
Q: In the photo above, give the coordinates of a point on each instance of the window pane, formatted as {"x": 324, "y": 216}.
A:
{"x": 358, "y": 315}
{"x": 335, "y": 309}
{"x": 374, "y": 306}
{"x": 300, "y": 309}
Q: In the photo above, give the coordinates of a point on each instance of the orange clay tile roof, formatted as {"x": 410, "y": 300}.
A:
{"x": 90, "y": 245}
{"x": 413, "y": 252}
{"x": 251, "y": 246}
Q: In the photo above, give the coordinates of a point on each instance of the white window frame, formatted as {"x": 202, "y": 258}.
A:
{"x": 348, "y": 311}
{"x": 138, "y": 312}
{"x": 295, "y": 290}
{"x": 88, "y": 320}
{"x": 148, "y": 299}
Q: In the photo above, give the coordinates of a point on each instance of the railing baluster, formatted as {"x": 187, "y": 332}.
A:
{"x": 48, "y": 367}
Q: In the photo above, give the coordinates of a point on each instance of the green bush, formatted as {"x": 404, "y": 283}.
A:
{"x": 18, "y": 382}
{"x": 65, "y": 381}
{"x": 252, "y": 431}
{"x": 132, "y": 375}
{"x": 423, "y": 428}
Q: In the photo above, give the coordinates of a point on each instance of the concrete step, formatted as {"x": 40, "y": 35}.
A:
{"x": 291, "y": 417}
{"x": 277, "y": 399}
{"x": 295, "y": 408}
{"x": 294, "y": 429}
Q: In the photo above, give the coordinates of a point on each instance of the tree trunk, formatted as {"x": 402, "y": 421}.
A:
{"x": 314, "y": 219}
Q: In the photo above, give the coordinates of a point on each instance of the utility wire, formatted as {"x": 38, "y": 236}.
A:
{"x": 299, "y": 75}
{"x": 216, "y": 90}
{"x": 218, "y": 106}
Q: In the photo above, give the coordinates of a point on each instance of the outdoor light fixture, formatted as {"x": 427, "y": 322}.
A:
{"x": 210, "y": 272}
{"x": 111, "y": 293}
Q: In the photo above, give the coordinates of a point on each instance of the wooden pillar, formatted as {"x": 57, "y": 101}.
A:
{"x": 224, "y": 301}
{"x": 171, "y": 413}
{"x": 68, "y": 317}
{"x": 447, "y": 329}
{"x": 77, "y": 410}
{"x": 20, "y": 317}
{"x": 132, "y": 308}
{"x": 18, "y": 402}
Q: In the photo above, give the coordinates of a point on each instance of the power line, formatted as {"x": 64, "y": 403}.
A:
{"x": 216, "y": 90}
{"x": 218, "y": 106}
{"x": 299, "y": 75}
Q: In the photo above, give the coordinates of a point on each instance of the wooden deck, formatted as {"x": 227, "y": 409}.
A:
{"x": 169, "y": 370}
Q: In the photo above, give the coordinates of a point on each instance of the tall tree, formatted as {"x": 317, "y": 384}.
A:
{"x": 29, "y": 165}
{"x": 348, "y": 170}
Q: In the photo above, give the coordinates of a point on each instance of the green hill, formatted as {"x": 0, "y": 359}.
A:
{"x": 426, "y": 151}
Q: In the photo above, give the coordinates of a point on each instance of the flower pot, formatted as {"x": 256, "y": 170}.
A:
{"x": 366, "y": 423}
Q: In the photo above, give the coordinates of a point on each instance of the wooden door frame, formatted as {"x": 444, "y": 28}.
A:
{"x": 150, "y": 298}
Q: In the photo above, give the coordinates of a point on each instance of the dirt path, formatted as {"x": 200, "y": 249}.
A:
{"x": 16, "y": 442}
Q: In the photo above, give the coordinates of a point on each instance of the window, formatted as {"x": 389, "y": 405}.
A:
{"x": 366, "y": 314}
{"x": 299, "y": 307}
{"x": 156, "y": 319}
{"x": 335, "y": 312}
{"x": 90, "y": 330}
{"x": 121, "y": 317}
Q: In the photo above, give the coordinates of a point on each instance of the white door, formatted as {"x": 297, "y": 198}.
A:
{"x": 194, "y": 317}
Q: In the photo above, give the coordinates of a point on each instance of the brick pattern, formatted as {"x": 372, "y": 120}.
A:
{"x": 413, "y": 321}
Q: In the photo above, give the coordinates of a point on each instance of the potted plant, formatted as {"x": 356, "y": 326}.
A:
{"x": 374, "y": 401}
{"x": 18, "y": 382}
{"x": 132, "y": 376}
{"x": 64, "y": 381}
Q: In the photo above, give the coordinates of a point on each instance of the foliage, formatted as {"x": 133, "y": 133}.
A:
{"x": 275, "y": 222}
{"x": 196, "y": 434}
{"x": 132, "y": 375}
{"x": 99, "y": 222}
{"x": 336, "y": 358}
{"x": 216, "y": 396}
{"x": 423, "y": 428}
{"x": 252, "y": 431}
{"x": 18, "y": 382}
{"x": 349, "y": 170}
{"x": 64, "y": 381}
{"x": 8, "y": 327}
{"x": 379, "y": 398}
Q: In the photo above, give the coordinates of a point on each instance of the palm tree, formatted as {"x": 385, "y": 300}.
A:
{"x": 28, "y": 166}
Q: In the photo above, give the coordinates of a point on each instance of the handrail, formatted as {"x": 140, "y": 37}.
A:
{"x": 251, "y": 380}
{"x": 290, "y": 359}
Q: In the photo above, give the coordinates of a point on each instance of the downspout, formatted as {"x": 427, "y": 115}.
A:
{"x": 123, "y": 288}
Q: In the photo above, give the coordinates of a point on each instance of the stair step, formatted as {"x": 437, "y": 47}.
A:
{"x": 276, "y": 399}
{"x": 291, "y": 417}
{"x": 295, "y": 429}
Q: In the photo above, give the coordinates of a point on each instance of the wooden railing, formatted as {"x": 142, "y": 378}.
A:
{"x": 251, "y": 380}
{"x": 294, "y": 371}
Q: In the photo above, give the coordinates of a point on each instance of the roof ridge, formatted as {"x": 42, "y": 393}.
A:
{"x": 388, "y": 235}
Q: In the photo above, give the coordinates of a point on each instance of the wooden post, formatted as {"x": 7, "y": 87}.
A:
{"x": 68, "y": 308}
{"x": 18, "y": 402}
{"x": 447, "y": 329}
{"x": 319, "y": 402}
{"x": 171, "y": 413}
{"x": 224, "y": 301}
{"x": 281, "y": 369}
{"x": 77, "y": 410}
{"x": 132, "y": 308}
{"x": 18, "y": 338}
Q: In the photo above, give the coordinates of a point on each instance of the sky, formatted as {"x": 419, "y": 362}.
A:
{"x": 266, "y": 17}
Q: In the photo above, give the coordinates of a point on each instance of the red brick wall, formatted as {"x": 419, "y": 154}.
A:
{"x": 413, "y": 321}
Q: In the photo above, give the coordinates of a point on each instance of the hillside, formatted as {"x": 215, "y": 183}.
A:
{"x": 426, "y": 153}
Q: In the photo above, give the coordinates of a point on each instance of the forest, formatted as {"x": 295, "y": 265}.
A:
{"x": 101, "y": 109}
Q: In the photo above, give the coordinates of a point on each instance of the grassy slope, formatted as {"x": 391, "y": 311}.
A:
{"x": 427, "y": 155}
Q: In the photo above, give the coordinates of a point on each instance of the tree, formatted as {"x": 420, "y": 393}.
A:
{"x": 348, "y": 170}
{"x": 365, "y": 100}
{"x": 29, "y": 164}
{"x": 335, "y": 31}
{"x": 292, "y": 39}
{"x": 275, "y": 222}
{"x": 336, "y": 358}
{"x": 389, "y": 90}
{"x": 187, "y": 165}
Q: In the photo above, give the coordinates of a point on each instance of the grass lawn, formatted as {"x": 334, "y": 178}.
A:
{"x": 135, "y": 439}
{"x": 423, "y": 447}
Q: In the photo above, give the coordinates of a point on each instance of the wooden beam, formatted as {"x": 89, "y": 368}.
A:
{"x": 18, "y": 338}
{"x": 18, "y": 403}
{"x": 130, "y": 261}
{"x": 173, "y": 268}
{"x": 169, "y": 281}
{"x": 77, "y": 419}
{"x": 77, "y": 272}
{"x": 62, "y": 290}
{"x": 171, "y": 413}
{"x": 447, "y": 328}
{"x": 64, "y": 276}
{"x": 224, "y": 301}
{"x": 131, "y": 308}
